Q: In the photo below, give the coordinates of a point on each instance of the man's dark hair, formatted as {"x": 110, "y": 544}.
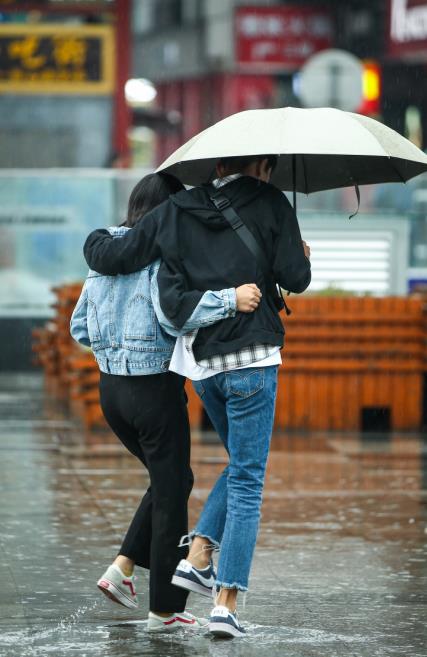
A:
{"x": 239, "y": 164}
{"x": 149, "y": 192}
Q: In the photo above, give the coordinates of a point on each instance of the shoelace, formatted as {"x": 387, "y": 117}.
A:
{"x": 186, "y": 541}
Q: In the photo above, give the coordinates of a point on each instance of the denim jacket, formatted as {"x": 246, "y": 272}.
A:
{"x": 115, "y": 316}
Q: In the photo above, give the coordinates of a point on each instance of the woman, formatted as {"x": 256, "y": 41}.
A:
{"x": 145, "y": 405}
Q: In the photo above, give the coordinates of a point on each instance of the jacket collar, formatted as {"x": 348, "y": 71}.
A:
{"x": 220, "y": 182}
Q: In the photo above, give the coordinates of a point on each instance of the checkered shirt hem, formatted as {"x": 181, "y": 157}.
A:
{"x": 242, "y": 358}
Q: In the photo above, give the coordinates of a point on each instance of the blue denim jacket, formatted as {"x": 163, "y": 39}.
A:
{"x": 115, "y": 316}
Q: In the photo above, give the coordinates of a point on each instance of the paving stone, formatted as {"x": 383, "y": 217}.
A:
{"x": 340, "y": 568}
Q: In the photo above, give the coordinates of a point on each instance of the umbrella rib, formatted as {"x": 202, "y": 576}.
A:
{"x": 294, "y": 181}
{"x": 397, "y": 170}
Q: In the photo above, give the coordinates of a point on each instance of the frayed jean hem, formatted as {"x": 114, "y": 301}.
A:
{"x": 206, "y": 536}
{"x": 225, "y": 585}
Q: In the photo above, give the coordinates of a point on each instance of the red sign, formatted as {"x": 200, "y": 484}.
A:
{"x": 408, "y": 29}
{"x": 281, "y": 37}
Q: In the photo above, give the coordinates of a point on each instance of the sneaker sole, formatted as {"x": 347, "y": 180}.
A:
{"x": 162, "y": 628}
{"x": 189, "y": 585}
{"x": 115, "y": 595}
{"x": 225, "y": 630}
{"x": 177, "y": 626}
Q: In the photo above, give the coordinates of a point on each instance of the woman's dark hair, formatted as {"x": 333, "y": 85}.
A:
{"x": 239, "y": 163}
{"x": 149, "y": 192}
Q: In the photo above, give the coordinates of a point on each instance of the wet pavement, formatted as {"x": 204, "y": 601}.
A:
{"x": 340, "y": 569}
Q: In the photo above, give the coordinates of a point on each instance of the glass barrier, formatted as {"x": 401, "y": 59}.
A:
{"x": 46, "y": 216}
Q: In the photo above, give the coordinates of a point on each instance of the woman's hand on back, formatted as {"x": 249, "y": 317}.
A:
{"x": 248, "y": 297}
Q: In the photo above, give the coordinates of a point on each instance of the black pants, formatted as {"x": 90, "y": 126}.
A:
{"x": 149, "y": 415}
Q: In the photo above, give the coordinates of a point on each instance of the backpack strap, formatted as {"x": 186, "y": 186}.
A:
{"x": 223, "y": 205}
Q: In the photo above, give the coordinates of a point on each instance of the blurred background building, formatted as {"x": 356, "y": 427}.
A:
{"x": 188, "y": 63}
{"x": 95, "y": 93}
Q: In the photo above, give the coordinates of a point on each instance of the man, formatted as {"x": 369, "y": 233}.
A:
{"x": 235, "y": 360}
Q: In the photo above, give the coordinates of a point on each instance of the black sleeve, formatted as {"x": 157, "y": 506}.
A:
{"x": 176, "y": 300}
{"x": 291, "y": 267}
{"x": 127, "y": 254}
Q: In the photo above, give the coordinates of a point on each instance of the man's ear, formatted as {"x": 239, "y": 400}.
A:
{"x": 264, "y": 165}
{"x": 220, "y": 169}
{"x": 265, "y": 168}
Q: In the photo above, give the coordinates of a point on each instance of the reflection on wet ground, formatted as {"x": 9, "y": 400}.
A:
{"x": 340, "y": 567}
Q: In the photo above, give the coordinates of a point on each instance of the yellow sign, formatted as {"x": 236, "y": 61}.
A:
{"x": 56, "y": 59}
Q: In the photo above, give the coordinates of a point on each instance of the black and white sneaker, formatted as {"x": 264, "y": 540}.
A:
{"x": 192, "y": 579}
{"x": 225, "y": 624}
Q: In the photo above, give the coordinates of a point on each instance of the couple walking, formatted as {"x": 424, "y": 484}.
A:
{"x": 187, "y": 288}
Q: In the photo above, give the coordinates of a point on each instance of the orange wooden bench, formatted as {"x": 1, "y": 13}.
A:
{"x": 346, "y": 356}
{"x": 343, "y": 357}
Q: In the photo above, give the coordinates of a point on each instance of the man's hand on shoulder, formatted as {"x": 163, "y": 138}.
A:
{"x": 127, "y": 254}
{"x": 93, "y": 242}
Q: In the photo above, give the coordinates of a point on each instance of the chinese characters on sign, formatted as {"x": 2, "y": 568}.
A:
{"x": 54, "y": 58}
{"x": 49, "y": 58}
{"x": 281, "y": 36}
{"x": 7, "y": 4}
{"x": 36, "y": 4}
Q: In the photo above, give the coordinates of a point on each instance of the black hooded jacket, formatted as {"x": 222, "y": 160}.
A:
{"x": 200, "y": 251}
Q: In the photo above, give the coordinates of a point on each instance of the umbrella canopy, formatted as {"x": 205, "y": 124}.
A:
{"x": 322, "y": 148}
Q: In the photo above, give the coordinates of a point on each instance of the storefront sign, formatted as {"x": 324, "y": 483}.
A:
{"x": 20, "y": 4}
{"x": 23, "y": 5}
{"x": 408, "y": 28}
{"x": 54, "y": 58}
{"x": 284, "y": 37}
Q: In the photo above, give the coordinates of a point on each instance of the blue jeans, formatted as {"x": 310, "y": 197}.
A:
{"x": 240, "y": 404}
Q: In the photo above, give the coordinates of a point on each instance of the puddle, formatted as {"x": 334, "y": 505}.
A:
{"x": 339, "y": 568}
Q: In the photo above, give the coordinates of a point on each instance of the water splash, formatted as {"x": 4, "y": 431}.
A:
{"x": 26, "y": 642}
{"x": 66, "y": 624}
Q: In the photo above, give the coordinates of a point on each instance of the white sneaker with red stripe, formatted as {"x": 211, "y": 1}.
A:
{"x": 118, "y": 587}
{"x": 181, "y": 619}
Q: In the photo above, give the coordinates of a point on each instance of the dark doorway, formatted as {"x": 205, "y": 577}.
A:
{"x": 376, "y": 419}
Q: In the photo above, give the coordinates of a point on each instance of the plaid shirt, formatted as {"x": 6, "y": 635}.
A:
{"x": 243, "y": 357}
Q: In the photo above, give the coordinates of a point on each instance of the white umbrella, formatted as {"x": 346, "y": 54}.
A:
{"x": 319, "y": 149}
